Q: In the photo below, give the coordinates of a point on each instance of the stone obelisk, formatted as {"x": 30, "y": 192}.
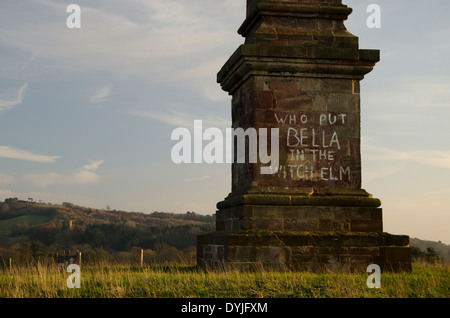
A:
{"x": 300, "y": 71}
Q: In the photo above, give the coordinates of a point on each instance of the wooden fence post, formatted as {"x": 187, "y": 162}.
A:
{"x": 10, "y": 264}
{"x": 142, "y": 257}
{"x": 79, "y": 258}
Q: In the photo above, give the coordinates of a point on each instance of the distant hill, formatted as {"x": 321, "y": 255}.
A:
{"x": 63, "y": 226}
{"x": 442, "y": 249}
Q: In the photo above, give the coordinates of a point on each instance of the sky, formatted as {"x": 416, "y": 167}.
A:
{"x": 86, "y": 115}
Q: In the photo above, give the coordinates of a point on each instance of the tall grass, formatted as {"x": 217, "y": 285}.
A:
{"x": 178, "y": 281}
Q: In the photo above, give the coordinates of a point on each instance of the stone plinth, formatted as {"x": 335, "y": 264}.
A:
{"x": 300, "y": 71}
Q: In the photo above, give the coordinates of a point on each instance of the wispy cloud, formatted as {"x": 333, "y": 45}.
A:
{"x": 31, "y": 59}
{"x": 102, "y": 95}
{"x": 82, "y": 177}
{"x": 150, "y": 39}
{"x": 8, "y": 103}
{"x": 93, "y": 166}
{"x": 179, "y": 119}
{"x": 369, "y": 175}
{"x": 434, "y": 158}
{"x": 13, "y": 153}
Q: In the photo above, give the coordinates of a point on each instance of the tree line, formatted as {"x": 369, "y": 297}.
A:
{"x": 107, "y": 242}
{"x": 30, "y": 232}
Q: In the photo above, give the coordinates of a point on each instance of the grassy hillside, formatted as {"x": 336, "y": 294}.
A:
{"x": 81, "y": 217}
{"x": 56, "y": 228}
{"x": 23, "y": 221}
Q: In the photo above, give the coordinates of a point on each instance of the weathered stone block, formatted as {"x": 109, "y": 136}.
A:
{"x": 395, "y": 254}
{"x": 366, "y": 226}
{"x": 316, "y": 212}
{"x": 304, "y": 258}
{"x": 241, "y": 253}
{"x": 332, "y": 250}
{"x": 397, "y": 240}
{"x": 300, "y": 224}
{"x": 334, "y": 225}
{"x": 303, "y": 250}
{"x": 262, "y": 211}
{"x": 354, "y": 260}
{"x": 272, "y": 255}
{"x": 270, "y": 224}
{"x": 372, "y": 251}
{"x": 362, "y": 241}
{"x": 397, "y": 267}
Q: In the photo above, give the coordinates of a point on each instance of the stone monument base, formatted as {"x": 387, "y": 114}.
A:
{"x": 318, "y": 251}
{"x": 302, "y": 235}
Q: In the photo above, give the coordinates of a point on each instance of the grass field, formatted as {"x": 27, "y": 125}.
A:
{"x": 6, "y": 226}
{"x": 102, "y": 281}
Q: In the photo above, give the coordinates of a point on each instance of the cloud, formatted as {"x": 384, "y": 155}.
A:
{"x": 13, "y": 153}
{"x": 85, "y": 176}
{"x": 378, "y": 173}
{"x": 434, "y": 158}
{"x": 5, "y": 179}
{"x": 102, "y": 95}
{"x": 179, "y": 119}
{"x": 31, "y": 59}
{"x": 93, "y": 165}
{"x": 7, "y": 104}
{"x": 150, "y": 39}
